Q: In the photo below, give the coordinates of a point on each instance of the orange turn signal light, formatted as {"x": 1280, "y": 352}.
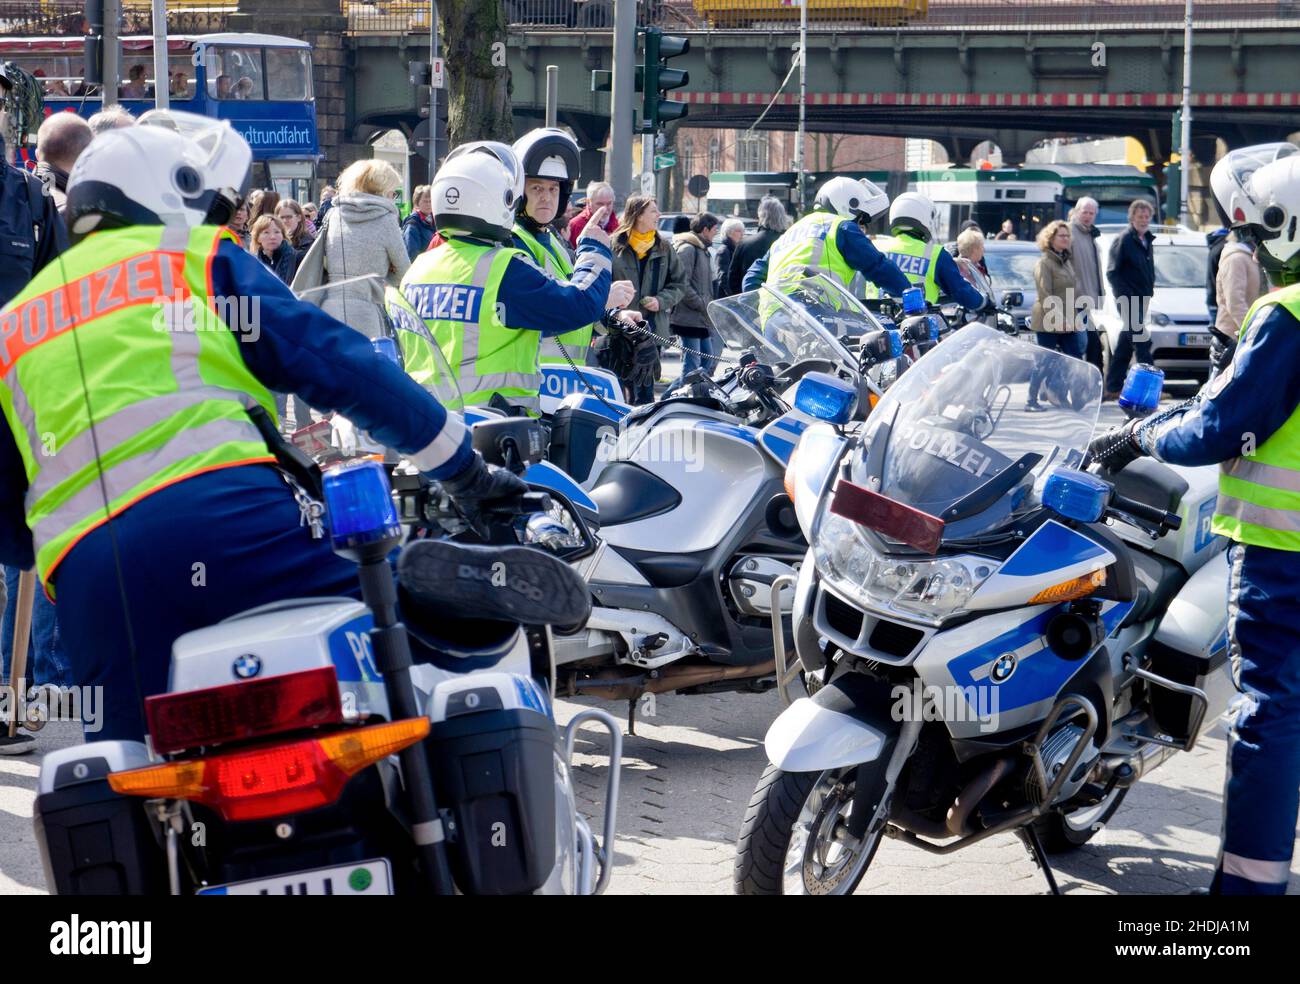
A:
{"x": 1076, "y": 587}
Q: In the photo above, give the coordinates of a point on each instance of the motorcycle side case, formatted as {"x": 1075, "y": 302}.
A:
{"x": 286, "y": 637}
{"x": 492, "y": 748}
{"x": 93, "y": 841}
{"x": 1190, "y": 646}
{"x": 577, "y": 433}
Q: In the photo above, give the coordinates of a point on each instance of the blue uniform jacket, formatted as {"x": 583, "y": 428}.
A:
{"x": 860, "y": 253}
{"x": 1243, "y": 406}
{"x": 292, "y": 347}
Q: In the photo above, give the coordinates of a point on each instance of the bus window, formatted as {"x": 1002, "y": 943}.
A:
{"x": 181, "y": 85}
{"x": 58, "y": 74}
{"x": 235, "y": 73}
{"x": 288, "y": 74}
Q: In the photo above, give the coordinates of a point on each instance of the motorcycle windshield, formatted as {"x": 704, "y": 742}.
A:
{"x": 971, "y": 431}
{"x": 795, "y": 322}
{"x": 424, "y": 363}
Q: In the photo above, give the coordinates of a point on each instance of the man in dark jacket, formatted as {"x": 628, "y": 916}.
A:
{"x": 1215, "y": 240}
{"x": 690, "y": 318}
{"x": 772, "y": 221}
{"x": 1131, "y": 271}
{"x": 31, "y": 235}
{"x": 730, "y": 233}
{"x": 59, "y": 142}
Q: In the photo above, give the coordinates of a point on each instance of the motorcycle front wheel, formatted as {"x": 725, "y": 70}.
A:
{"x": 794, "y": 838}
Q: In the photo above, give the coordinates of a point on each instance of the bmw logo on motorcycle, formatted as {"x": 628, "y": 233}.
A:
{"x": 247, "y": 666}
{"x": 1003, "y": 667}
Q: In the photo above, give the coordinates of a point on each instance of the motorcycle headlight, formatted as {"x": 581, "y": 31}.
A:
{"x": 810, "y": 466}
{"x": 923, "y": 589}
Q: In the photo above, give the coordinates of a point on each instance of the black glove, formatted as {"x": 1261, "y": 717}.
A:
{"x": 1118, "y": 447}
{"x": 483, "y": 481}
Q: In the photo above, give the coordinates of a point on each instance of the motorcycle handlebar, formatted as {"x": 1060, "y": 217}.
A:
{"x": 1150, "y": 514}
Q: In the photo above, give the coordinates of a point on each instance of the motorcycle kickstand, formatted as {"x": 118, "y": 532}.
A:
{"x": 1029, "y": 837}
{"x": 631, "y": 716}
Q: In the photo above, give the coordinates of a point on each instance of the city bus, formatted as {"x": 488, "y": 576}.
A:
{"x": 261, "y": 83}
{"x": 737, "y": 193}
{"x": 1031, "y": 195}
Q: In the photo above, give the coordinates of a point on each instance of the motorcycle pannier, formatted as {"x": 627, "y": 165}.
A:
{"x": 495, "y": 771}
{"x": 93, "y": 841}
{"x": 575, "y": 437}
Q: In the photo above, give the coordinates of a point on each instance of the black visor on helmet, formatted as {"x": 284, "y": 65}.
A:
{"x": 94, "y": 205}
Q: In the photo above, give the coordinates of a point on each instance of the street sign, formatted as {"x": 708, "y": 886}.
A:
{"x": 438, "y": 74}
{"x": 698, "y": 186}
{"x": 665, "y": 160}
{"x": 648, "y": 183}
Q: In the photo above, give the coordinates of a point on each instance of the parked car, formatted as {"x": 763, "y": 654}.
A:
{"x": 1179, "y": 320}
{"x": 1011, "y": 268}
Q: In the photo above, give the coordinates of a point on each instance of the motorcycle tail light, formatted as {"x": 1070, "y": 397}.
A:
{"x": 272, "y": 780}
{"x": 248, "y": 709}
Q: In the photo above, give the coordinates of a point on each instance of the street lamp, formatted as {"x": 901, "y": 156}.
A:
{"x": 1185, "y": 148}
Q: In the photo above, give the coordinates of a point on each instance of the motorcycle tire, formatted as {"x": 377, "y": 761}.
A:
{"x": 779, "y": 802}
{"x": 1059, "y": 834}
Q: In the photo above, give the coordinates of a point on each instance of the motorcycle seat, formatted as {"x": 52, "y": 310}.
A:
{"x": 1158, "y": 581}
{"x": 1150, "y": 482}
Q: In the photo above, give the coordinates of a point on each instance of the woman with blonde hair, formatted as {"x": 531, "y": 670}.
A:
{"x": 360, "y": 236}
{"x": 1055, "y": 316}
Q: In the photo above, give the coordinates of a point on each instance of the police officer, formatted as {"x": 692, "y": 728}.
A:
{"x": 487, "y": 303}
{"x": 830, "y": 239}
{"x": 549, "y": 158}
{"x": 136, "y": 377}
{"x": 912, "y": 248}
{"x": 1248, "y": 421}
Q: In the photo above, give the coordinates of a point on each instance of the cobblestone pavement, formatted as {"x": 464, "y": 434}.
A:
{"x": 689, "y": 771}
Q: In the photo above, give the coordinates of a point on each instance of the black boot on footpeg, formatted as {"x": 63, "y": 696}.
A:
{"x": 515, "y": 584}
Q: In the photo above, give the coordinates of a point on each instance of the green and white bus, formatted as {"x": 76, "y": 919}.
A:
{"x": 737, "y": 193}
{"x": 1032, "y": 195}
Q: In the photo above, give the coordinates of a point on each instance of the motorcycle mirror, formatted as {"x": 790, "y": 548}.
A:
{"x": 510, "y": 442}
{"x": 1013, "y": 299}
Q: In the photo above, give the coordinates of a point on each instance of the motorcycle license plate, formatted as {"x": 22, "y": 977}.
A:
{"x": 361, "y": 878}
{"x": 1195, "y": 338}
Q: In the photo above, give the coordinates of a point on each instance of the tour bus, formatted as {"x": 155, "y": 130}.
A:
{"x": 1031, "y": 195}
{"x": 259, "y": 82}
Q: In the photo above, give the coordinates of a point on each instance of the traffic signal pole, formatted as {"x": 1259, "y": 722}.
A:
{"x": 618, "y": 158}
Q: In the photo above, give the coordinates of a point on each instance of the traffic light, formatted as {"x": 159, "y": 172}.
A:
{"x": 93, "y": 43}
{"x": 659, "y": 79}
{"x": 420, "y": 75}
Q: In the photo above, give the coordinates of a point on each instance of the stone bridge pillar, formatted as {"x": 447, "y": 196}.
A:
{"x": 320, "y": 23}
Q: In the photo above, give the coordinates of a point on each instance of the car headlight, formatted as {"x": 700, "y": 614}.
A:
{"x": 923, "y": 589}
{"x": 1159, "y": 319}
{"x": 810, "y": 466}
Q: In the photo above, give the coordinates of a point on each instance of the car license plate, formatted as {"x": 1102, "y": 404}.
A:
{"x": 1195, "y": 338}
{"x": 361, "y": 878}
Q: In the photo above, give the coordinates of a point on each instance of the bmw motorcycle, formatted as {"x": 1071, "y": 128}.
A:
{"x": 995, "y": 638}
{"x": 695, "y": 524}
{"x": 300, "y": 750}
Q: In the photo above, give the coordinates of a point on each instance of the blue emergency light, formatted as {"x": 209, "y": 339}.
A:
{"x": 387, "y": 347}
{"x": 1076, "y": 495}
{"x": 1142, "y": 388}
{"x": 936, "y": 326}
{"x": 359, "y": 503}
{"x": 826, "y": 397}
{"x": 895, "y": 342}
{"x": 914, "y": 300}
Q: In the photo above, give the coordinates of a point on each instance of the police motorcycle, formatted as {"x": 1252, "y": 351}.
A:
{"x": 995, "y": 638}
{"x": 695, "y": 524}
{"x": 298, "y": 750}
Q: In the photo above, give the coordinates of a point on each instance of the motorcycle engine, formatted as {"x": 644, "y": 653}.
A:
{"x": 1055, "y": 752}
{"x": 750, "y": 580}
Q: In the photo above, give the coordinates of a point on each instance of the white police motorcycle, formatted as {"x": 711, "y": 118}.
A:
{"x": 994, "y": 638}
{"x": 298, "y": 750}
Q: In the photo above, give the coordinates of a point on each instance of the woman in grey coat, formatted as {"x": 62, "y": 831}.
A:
{"x": 362, "y": 235}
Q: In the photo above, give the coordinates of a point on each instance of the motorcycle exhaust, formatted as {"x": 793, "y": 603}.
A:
{"x": 957, "y": 821}
{"x": 631, "y": 684}
{"x": 1128, "y": 769}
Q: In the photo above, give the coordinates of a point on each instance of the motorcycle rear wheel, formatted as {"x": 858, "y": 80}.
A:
{"x": 1061, "y": 832}
{"x": 788, "y": 843}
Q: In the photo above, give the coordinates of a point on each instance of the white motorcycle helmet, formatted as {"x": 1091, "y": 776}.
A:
{"x": 859, "y": 200}
{"x": 549, "y": 152}
{"x": 914, "y": 214}
{"x": 171, "y": 168}
{"x": 475, "y": 191}
{"x": 1257, "y": 192}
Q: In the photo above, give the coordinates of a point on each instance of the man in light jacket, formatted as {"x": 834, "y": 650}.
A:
{"x": 1237, "y": 285}
{"x": 1087, "y": 271}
